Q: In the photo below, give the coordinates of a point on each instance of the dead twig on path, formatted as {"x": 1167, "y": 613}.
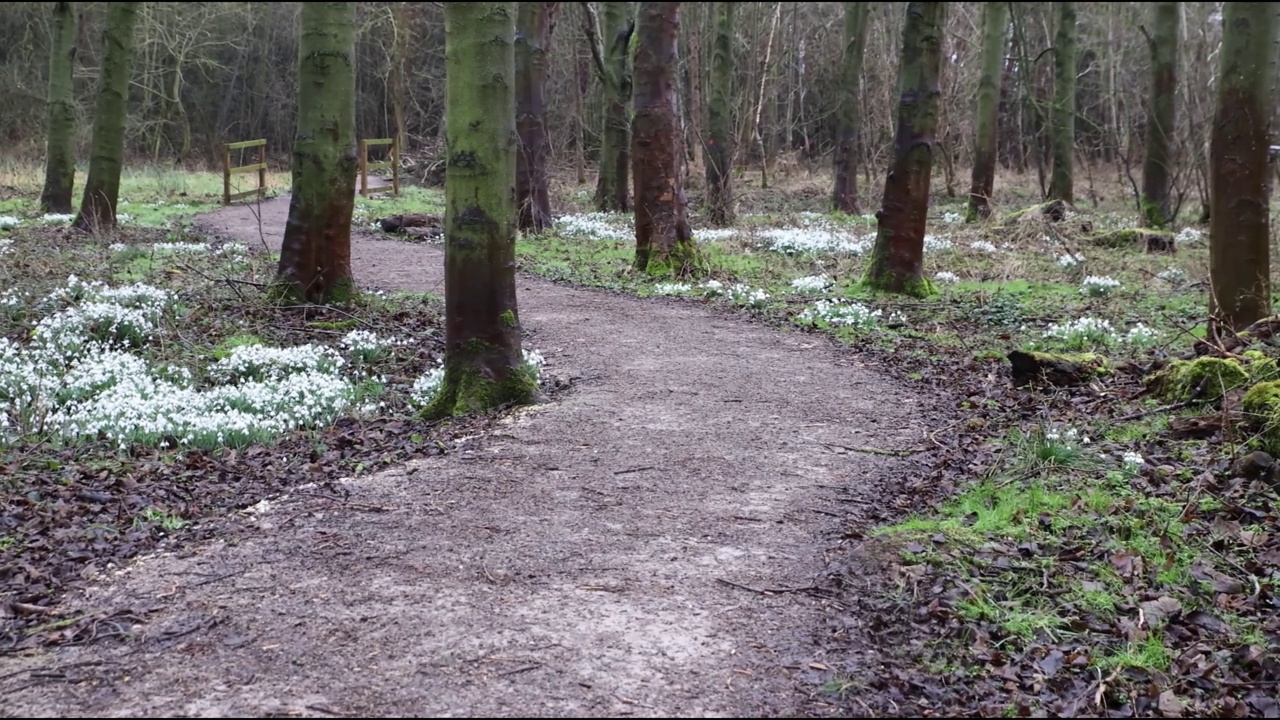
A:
{"x": 766, "y": 591}
{"x": 344, "y": 501}
{"x": 876, "y": 451}
{"x": 628, "y": 471}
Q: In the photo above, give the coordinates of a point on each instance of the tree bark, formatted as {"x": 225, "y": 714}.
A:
{"x": 483, "y": 366}
{"x": 400, "y": 91}
{"x": 995, "y": 21}
{"x": 662, "y": 223}
{"x": 1157, "y": 165}
{"x": 535, "y": 22}
{"x": 844, "y": 196}
{"x": 315, "y": 254}
{"x": 102, "y": 187}
{"x": 60, "y": 150}
{"x": 1063, "y": 131}
{"x": 720, "y": 103}
{"x": 612, "y": 193}
{"x": 897, "y": 259}
{"x": 1239, "y": 231}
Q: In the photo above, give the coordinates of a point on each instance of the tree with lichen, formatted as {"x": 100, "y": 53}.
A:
{"x": 60, "y": 150}
{"x": 315, "y": 255}
{"x": 610, "y": 50}
{"x": 720, "y": 125}
{"x": 535, "y": 22}
{"x": 1157, "y": 164}
{"x": 995, "y": 26}
{"x": 1062, "y": 120}
{"x": 102, "y": 186}
{"x": 844, "y": 196}
{"x": 1239, "y": 229}
{"x": 897, "y": 259}
{"x": 483, "y": 365}
{"x": 662, "y": 223}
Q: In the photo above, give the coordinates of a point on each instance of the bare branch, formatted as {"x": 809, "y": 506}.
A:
{"x": 591, "y": 26}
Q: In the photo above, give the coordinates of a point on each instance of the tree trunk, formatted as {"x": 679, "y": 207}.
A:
{"x": 400, "y": 90}
{"x": 720, "y": 103}
{"x": 483, "y": 365}
{"x": 1239, "y": 261}
{"x": 844, "y": 197}
{"x": 1063, "y": 130}
{"x": 60, "y": 162}
{"x": 995, "y": 21}
{"x": 611, "y": 187}
{"x": 315, "y": 255}
{"x": 102, "y": 187}
{"x": 897, "y": 259}
{"x": 662, "y": 223}
{"x": 581, "y": 85}
{"x": 1157, "y": 166}
{"x": 534, "y": 24}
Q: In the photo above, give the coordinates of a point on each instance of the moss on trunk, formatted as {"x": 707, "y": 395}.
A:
{"x": 60, "y": 151}
{"x": 844, "y": 195}
{"x": 897, "y": 259}
{"x": 1239, "y": 225}
{"x": 483, "y": 365}
{"x": 102, "y": 187}
{"x": 995, "y": 20}
{"x": 720, "y": 136}
{"x": 535, "y": 23}
{"x": 662, "y": 223}
{"x": 315, "y": 255}
{"x": 1062, "y": 132}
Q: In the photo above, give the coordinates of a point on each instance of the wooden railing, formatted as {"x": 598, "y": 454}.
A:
{"x": 366, "y": 166}
{"x": 228, "y": 171}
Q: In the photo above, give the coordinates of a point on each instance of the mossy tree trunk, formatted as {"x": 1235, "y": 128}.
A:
{"x": 844, "y": 195}
{"x": 612, "y": 192}
{"x": 1157, "y": 165}
{"x": 1062, "y": 131}
{"x": 1239, "y": 232}
{"x": 995, "y": 22}
{"x": 662, "y": 223}
{"x": 60, "y": 146}
{"x": 720, "y": 104}
{"x": 315, "y": 255}
{"x": 483, "y": 365}
{"x": 897, "y": 259}
{"x": 535, "y": 22}
{"x": 102, "y": 187}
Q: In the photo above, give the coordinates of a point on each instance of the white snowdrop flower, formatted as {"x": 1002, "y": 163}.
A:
{"x": 711, "y": 234}
{"x": 1133, "y": 460}
{"x": 984, "y": 246}
{"x": 742, "y": 295}
{"x": 1099, "y": 285}
{"x": 9, "y": 221}
{"x": 180, "y": 248}
{"x": 1188, "y": 235}
{"x": 815, "y": 239}
{"x": 535, "y": 360}
{"x": 951, "y": 218}
{"x": 947, "y": 277}
{"x": 1082, "y": 331}
{"x": 1172, "y": 275}
{"x": 117, "y": 247}
{"x": 1140, "y": 335}
{"x": 599, "y": 226}
{"x": 124, "y": 217}
{"x": 6, "y": 246}
{"x": 933, "y": 243}
{"x": 812, "y": 283}
{"x": 712, "y": 288}
{"x": 843, "y": 313}
{"x": 671, "y": 288}
{"x": 262, "y": 362}
{"x": 1069, "y": 261}
{"x": 56, "y": 218}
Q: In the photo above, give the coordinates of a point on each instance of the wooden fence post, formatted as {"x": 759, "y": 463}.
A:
{"x": 226, "y": 175}
{"x": 262, "y": 171}
{"x": 363, "y": 159}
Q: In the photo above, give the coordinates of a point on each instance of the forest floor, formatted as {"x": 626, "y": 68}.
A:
{"x": 650, "y": 542}
{"x": 755, "y": 488}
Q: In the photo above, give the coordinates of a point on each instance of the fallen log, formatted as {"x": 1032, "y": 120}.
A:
{"x": 1029, "y": 368}
{"x": 401, "y": 223}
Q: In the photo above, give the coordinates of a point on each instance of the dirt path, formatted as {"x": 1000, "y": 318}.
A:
{"x": 567, "y": 563}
